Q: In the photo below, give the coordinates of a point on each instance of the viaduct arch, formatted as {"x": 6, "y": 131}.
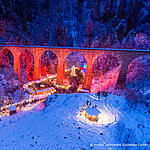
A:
{"x": 27, "y": 60}
{"x": 126, "y": 56}
{"x": 46, "y": 61}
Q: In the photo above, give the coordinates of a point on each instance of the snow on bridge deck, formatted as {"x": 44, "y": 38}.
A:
{"x": 80, "y": 48}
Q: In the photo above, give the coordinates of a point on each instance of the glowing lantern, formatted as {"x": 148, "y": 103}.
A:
{"x": 80, "y": 87}
{"x": 101, "y": 67}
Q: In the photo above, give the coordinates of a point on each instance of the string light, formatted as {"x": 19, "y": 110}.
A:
{"x": 36, "y": 95}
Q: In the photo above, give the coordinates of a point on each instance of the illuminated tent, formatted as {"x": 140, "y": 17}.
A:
{"x": 92, "y": 113}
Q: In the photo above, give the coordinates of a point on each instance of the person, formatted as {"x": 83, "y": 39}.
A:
{"x": 87, "y": 102}
{"x": 96, "y": 119}
{"x": 105, "y": 94}
{"x": 98, "y": 95}
{"x": 90, "y": 103}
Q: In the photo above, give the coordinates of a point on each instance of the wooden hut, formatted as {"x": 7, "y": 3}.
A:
{"x": 12, "y": 110}
{"x": 92, "y": 113}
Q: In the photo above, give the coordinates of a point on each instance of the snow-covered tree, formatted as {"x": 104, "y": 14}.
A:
{"x": 89, "y": 33}
{"x": 141, "y": 41}
{"x": 106, "y": 10}
{"x": 121, "y": 10}
{"x": 95, "y": 43}
{"x": 108, "y": 42}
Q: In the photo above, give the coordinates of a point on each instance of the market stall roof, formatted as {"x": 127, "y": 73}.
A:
{"x": 28, "y": 90}
{"x": 47, "y": 89}
{"x": 12, "y": 108}
{"x": 84, "y": 90}
{"x": 92, "y": 111}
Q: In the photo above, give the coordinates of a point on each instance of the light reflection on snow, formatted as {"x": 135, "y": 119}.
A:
{"x": 106, "y": 117}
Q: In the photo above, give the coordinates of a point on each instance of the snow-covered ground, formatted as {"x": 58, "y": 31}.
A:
{"x": 58, "y": 126}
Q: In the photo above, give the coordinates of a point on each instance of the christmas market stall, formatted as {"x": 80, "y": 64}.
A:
{"x": 12, "y": 109}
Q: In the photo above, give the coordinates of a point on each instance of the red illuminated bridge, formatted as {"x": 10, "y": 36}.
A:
{"x": 126, "y": 56}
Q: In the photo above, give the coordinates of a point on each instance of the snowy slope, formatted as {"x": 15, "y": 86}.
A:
{"x": 57, "y": 126}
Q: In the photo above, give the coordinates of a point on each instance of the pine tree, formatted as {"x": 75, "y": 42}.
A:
{"x": 95, "y": 12}
{"x": 79, "y": 10}
{"x": 106, "y": 11}
{"x": 136, "y": 10}
{"x": 141, "y": 41}
{"x": 95, "y": 43}
{"x": 108, "y": 42}
{"x": 64, "y": 35}
{"x": 27, "y": 41}
{"x": 115, "y": 38}
{"x": 120, "y": 32}
{"x": 101, "y": 42}
{"x": 130, "y": 18}
{"x": 18, "y": 38}
{"x": 3, "y": 28}
{"x": 59, "y": 35}
{"x": 89, "y": 33}
{"x": 121, "y": 10}
{"x": 46, "y": 35}
{"x": 130, "y": 42}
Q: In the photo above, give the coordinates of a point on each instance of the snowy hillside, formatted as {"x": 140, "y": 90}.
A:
{"x": 58, "y": 126}
{"x": 138, "y": 79}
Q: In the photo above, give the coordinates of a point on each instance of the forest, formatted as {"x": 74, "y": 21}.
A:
{"x": 76, "y": 23}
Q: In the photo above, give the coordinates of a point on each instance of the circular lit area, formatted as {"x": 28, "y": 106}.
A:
{"x": 92, "y": 113}
{"x": 98, "y": 112}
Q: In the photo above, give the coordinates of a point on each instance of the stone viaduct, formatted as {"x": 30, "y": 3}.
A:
{"x": 126, "y": 56}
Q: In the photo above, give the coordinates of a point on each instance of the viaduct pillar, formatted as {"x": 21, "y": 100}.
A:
{"x": 123, "y": 72}
{"x": 17, "y": 66}
{"x": 60, "y": 68}
{"x": 37, "y": 66}
{"x": 88, "y": 75}
{"x": 122, "y": 78}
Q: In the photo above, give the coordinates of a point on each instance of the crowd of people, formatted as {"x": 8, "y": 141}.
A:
{"x": 103, "y": 93}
